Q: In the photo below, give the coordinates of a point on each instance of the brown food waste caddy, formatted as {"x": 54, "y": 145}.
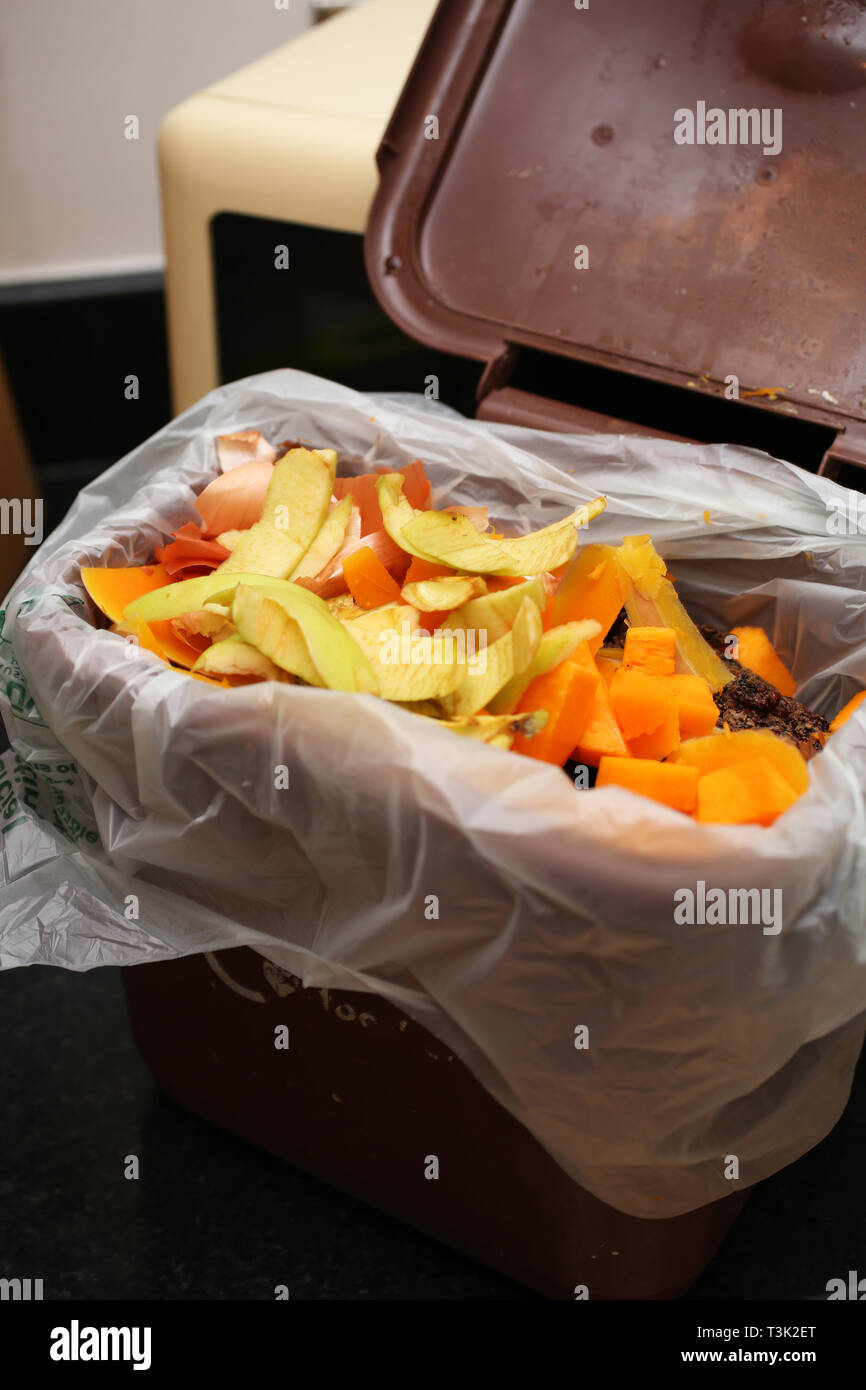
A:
{"x": 364, "y": 1094}
{"x": 553, "y": 128}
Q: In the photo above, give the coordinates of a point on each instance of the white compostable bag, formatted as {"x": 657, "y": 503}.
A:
{"x": 529, "y": 925}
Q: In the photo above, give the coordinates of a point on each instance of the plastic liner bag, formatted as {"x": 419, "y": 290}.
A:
{"x": 529, "y": 925}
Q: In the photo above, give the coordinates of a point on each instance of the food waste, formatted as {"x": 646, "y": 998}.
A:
{"x": 578, "y": 655}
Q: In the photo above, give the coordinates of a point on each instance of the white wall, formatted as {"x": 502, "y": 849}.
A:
{"x": 76, "y": 197}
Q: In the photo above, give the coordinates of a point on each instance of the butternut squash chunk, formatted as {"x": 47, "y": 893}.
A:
{"x": 367, "y": 579}
{"x": 650, "y": 649}
{"x": 672, "y": 786}
{"x": 641, "y": 703}
{"x": 847, "y": 710}
{"x": 601, "y": 734}
{"x": 726, "y": 749}
{"x": 750, "y": 793}
{"x": 591, "y": 588}
{"x": 660, "y": 742}
{"x": 698, "y": 711}
{"x": 114, "y": 588}
{"x": 567, "y": 694}
{"x": 756, "y": 652}
{"x": 651, "y": 599}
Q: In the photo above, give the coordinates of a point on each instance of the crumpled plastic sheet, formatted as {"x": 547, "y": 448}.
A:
{"x": 555, "y": 905}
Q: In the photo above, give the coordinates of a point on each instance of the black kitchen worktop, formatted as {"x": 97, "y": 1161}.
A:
{"x": 213, "y": 1218}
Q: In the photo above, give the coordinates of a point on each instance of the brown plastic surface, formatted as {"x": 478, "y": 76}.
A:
{"x": 360, "y": 1099}
{"x": 555, "y": 129}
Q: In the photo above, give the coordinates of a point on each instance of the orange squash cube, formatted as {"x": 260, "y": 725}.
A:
{"x": 672, "y": 786}
{"x": 367, "y": 579}
{"x": 601, "y": 734}
{"x": 648, "y": 589}
{"x": 847, "y": 710}
{"x": 650, "y": 649}
{"x": 749, "y": 793}
{"x": 567, "y": 693}
{"x": 660, "y": 742}
{"x": 698, "y": 711}
{"x": 756, "y": 652}
{"x": 425, "y": 569}
{"x": 590, "y": 589}
{"x": 727, "y": 749}
{"x": 640, "y": 702}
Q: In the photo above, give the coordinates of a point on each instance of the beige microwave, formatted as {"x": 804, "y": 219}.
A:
{"x": 266, "y": 180}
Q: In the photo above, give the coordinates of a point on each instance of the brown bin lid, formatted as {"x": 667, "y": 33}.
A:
{"x": 556, "y": 130}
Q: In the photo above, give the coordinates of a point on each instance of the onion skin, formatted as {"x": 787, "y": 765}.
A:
{"x": 235, "y": 500}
